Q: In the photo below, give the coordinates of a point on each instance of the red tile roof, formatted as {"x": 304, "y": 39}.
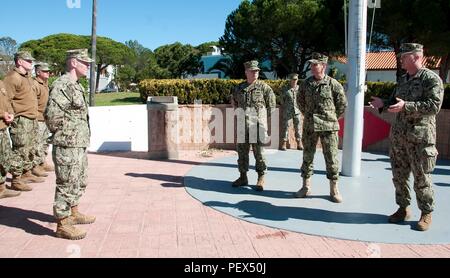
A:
{"x": 386, "y": 61}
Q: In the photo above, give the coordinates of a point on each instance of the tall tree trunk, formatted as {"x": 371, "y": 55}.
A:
{"x": 97, "y": 78}
{"x": 444, "y": 67}
{"x": 93, "y": 87}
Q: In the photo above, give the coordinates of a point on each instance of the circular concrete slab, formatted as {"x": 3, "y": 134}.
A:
{"x": 368, "y": 199}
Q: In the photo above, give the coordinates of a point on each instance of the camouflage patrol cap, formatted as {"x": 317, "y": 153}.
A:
{"x": 80, "y": 54}
{"x": 293, "y": 76}
{"x": 251, "y": 65}
{"x": 410, "y": 48}
{"x": 24, "y": 55}
{"x": 42, "y": 66}
{"x": 318, "y": 58}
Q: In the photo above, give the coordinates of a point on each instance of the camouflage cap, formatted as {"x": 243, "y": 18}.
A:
{"x": 42, "y": 66}
{"x": 80, "y": 54}
{"x": 251, "y": 65}
{"x": 293, "y": 76}
{"x": 410, "y": 48}
{"x": 318, "y": 58}
{"x": 24, "y": 55}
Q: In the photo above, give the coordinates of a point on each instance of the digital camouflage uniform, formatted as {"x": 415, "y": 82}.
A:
{"x": 7, "y": 160}
{"x": 321, "y": 103}
{"x": 255, "y": 102}
{"x": 290, "y": 111}
{"x": 41, "y": 90}
{"x": 67, "y": 118}
{"x": 5, "y": 145}
{"x": 413, "y": 137}
{"x": 24, "y": 128}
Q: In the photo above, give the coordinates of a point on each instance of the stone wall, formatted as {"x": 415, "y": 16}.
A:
{"x": 195, "y": 132}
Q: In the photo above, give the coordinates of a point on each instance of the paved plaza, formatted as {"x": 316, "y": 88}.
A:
{"x": 144, "y": 210}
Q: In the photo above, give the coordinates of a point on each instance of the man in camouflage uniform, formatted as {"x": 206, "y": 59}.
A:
{"x": 322, "y": 101}
{"x": 289, "y": 108}
{"x": 254, "y": 101}
{"x": 67, "y": 118}
{"x": 40, "y": 87}
{"x": 6, "y": 118}
{"x": 416, "y": 101}
{"x": 23, "y": 129}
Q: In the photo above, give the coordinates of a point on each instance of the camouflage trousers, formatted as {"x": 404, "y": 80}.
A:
{"x": 329, "y": 141}
{"x": 420, "y": 159}
{"x": 42, "y": 143}
{"x": 71, "y": 178}
{"x": 8, "y": 161}
{"x": 285, "y": 126}
{"x": 23, "y": 136}
{"x": 243, "y": 150}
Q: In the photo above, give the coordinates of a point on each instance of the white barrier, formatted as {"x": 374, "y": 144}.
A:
{"x": 119, "y": 128}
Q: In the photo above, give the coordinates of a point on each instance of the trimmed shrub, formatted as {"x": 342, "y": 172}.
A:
{"x": 218, "y": 91}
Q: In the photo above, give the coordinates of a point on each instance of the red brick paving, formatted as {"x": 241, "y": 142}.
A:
{"x": 143, "y": 210}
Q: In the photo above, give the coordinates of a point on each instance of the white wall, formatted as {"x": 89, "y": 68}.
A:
{"x": 382, "y": 76}
{"x": 119, "y": 128}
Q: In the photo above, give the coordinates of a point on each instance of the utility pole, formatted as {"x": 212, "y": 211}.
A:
{"x": 94, "y": 53}
{"x": 354, "y": 116}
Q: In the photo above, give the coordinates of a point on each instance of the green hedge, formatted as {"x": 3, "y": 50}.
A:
{"x": 217, "y": 91}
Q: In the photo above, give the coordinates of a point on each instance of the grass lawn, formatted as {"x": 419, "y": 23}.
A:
{"x": 112, "y": 99}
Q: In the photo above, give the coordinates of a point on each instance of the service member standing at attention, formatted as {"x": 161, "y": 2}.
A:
{"x": 40, "y": 87}
{"x": 6, "y": 118}
{"x": 416, "y": 101}
{"x": 67, "y": 118}
{"x": 290, "y": 111}
{"x": 322, "y": 101}
{"x": 255, "y": 101}
{"x": 23, "y": 129}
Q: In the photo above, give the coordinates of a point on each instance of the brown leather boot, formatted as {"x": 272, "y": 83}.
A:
{"x": 305, "y": 191}
{"x": 7, "y": 193}
{"x": 402, "y": 214}
{"x": 424, "y": 222}
{"x": 28, "y": 177}
{"x": 260, "y": 182}
{"x": 19, "y": 184}
{"x": 47, "y": 167}
{"x": 283, "y": 146}
{"x": 241, "y": 181}
{"x": 335, "y": 195}
{"x": 299, "y": 145}
{"x": 67, "y": 231}
{"x": 77, "y": 218}
{"x": 38, "y": 171}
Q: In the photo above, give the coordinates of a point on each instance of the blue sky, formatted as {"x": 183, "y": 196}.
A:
{"x": 153, "y": 23}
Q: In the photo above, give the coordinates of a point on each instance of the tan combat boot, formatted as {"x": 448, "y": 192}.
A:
{"x": 39, "y": 172}
{"x": 241, "y": 181}
{"x": 299, "y": 145}
{"x": 305, "y": 191}
{"x": 283, "y": 146}
{"x": 424, "y": 222}
{"x": 28, "y": 177}
{"x": 19, "y": 184}
{"x": 260, "y": 182}
{"x": 47, "y": 167}
{"x": 77, "y": 218}
{"x": 7, "y": 193}
{"x": 334, "y": 192}
{"x": 402, "y": 214}
{"x": 67, "y": 231}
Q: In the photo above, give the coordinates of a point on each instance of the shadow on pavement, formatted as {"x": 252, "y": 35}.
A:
{"x": 20, "y": 218}
{"x": 264, "y": 210}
